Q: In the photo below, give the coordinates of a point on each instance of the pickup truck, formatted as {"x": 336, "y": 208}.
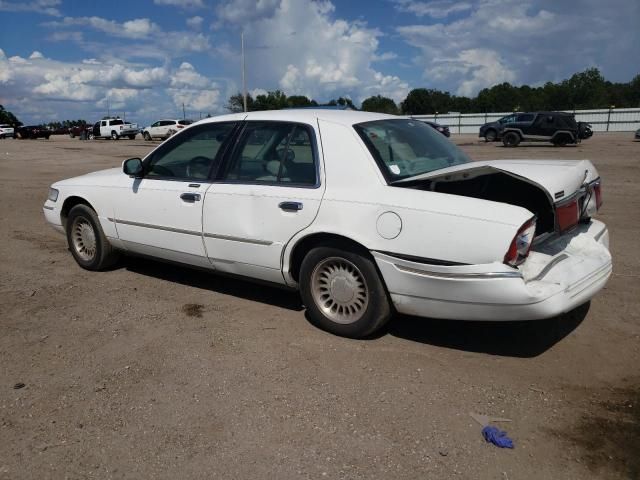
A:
{"x": 114, "y": 128}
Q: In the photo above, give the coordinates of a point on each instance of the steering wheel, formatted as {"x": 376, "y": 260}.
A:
{"x": 161, "y": 171}
{"x": 198, "y": 167}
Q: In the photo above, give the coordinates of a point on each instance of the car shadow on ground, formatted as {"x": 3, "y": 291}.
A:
{"x": 524, "y": 339}
{"x": 215, "y": 282}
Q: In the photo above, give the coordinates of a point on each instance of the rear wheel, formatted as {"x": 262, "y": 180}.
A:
{"x": 114, "y": 136}
{"x": 71, "y": 135}
{"x": 561, "y": 140}
{"x": 490, "y": 135}
{"x": 343, "y": 292}
{"x": 511, "y": 139}
{"x": 91, "y": 136}
{"x": 87, "y": 242}
{"x": 132, "y": 137}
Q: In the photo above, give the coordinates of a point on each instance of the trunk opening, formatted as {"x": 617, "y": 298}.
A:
{"x": 497, "y": 187}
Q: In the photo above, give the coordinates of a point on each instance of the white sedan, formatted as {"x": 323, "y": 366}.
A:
{"x": 366, "y": 214}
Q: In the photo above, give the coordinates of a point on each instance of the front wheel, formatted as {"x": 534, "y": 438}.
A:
{"x": 87, "y": 242}
{"x": 343, "y": 292}
{"x": 114, "y": 136}
{"x": 146, "y": 136}
{"x": 490, "y": 135}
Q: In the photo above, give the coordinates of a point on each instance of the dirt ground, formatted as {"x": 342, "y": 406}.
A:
{"x": 157, "y": 371}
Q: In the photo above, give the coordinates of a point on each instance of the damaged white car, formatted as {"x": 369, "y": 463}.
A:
{"x": 365, "y": 214}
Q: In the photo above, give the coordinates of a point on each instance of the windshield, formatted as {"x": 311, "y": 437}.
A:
{"x": 406, "y": 148}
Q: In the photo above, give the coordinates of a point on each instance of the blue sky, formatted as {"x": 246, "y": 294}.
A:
{"x": 64, "y": 59}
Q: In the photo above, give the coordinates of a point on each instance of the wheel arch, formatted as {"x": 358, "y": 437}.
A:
{"x": 305, "y": 244}
{"x": 68, "y": 204}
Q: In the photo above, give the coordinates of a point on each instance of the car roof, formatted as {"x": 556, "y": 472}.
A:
{"x": 306, "y": 115}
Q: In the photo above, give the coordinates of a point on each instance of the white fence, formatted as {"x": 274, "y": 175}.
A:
{"x": 603, "y": 120}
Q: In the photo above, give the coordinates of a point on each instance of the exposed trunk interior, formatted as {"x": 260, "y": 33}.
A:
{"x": 497, "y": 187}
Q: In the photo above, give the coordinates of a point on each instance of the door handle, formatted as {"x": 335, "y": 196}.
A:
{"x": 190, "y": 197}
{"x": 290, "y": 206}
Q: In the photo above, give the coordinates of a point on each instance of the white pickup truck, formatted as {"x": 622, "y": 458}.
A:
{"x": 114, "y": 128}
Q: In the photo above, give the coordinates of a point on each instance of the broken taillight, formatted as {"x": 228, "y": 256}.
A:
{"x": 597, "y": 189}
{"x": 567, "y": 215}
{"x": 521, "y": 244}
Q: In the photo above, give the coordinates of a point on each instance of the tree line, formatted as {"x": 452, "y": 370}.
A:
{"x": 583, "y": 90}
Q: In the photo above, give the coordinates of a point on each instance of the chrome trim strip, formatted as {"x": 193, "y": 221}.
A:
{"x": 47, "y": 207}
{"x": 600, "y": 234}
{"x": 155, "y": 227}
{"x": 548, "y": 267}
{"x": 238, "y": 239}
{"x": 482, "y": 275}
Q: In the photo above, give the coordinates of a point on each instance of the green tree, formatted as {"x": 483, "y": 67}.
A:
{"x": 423, "y": 100}
{"x": 235, "y": 104}
{"x": 300, "y": 101}
{"x": 9, "y": 118}
{"x": 380, "y": 104}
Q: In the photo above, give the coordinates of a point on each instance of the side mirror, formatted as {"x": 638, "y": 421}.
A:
{"x": 133, "y": 167}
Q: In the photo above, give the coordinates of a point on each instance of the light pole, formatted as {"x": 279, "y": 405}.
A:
{"x": 244, "y": 82}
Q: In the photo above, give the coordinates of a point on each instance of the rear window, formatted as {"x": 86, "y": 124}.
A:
{"x": 116, "y": 122}
{"x": 185, "y": 122}
{"x": 407, "y": 148}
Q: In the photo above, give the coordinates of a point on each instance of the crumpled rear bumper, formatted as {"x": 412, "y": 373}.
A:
{"x": 558, "y": 276}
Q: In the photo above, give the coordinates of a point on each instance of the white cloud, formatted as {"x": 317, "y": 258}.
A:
{"x": 35, "y": 55}
{"x": 138, "y": 28}
{"x": 524, "y": 41}
{"x": 434, "y": 9}
{"x": 40, "y": 87}
{"x": 195, "y": 22}
{"x": 297, "y": 46}
{"x": 246, "y": 10}
{"x": 188, "y": 4}
{"x": 45, "y": 7}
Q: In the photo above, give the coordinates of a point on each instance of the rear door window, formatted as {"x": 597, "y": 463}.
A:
{"x": 274, "y": 153}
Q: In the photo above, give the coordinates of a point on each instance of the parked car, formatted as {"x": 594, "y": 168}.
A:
{"x": 637, "y": 134}
{"x": 59, "y": 131}
{"x": 489, "y": 131}
{"x": 164, "y": 128}
{"x": 443, "y": 129}
{"x": 77, "y": 130}
{"x": 559, "y": 128}
{"x": 32, "y": 132}
{"x": 114, "y": 128}
{"x": 6, "y": 131}
{"x": 384, "y": 214}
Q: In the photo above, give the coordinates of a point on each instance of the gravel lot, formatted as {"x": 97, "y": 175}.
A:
{"x": 156, "y": 371}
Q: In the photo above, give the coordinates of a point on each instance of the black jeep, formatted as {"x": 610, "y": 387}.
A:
{"x": 558, "y": 128}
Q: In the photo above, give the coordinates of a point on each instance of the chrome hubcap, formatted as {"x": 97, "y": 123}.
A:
{"x": 83, "y": 238}
{"x": 339, "y": 290}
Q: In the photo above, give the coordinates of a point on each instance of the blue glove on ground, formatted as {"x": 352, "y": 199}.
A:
{"x": 497, "y": 437}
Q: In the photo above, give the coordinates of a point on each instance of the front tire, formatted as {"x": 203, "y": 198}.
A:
{"x": 114, "y": 136}
{"x": 511, "y": 139}
{"x": 343, "y": 292}
{"x": 146, "y": 136}
{"x": 561, "y": 140}
{"x": 87, "y": 242}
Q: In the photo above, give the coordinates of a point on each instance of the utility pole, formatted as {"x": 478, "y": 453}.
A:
{"x": 184, "y": 117}
{"x": 244, "y": 82}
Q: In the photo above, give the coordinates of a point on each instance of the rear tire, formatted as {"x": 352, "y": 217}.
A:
{"x": 114, "y": 136}
{"x": 511, "y": 139}
{"x": 87, "y": 242}
{"x": 561, "y": 140}
{"x": 490, "y": 135}
{"x": 132, "y": 137}
{"x": 343, "y": 292}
